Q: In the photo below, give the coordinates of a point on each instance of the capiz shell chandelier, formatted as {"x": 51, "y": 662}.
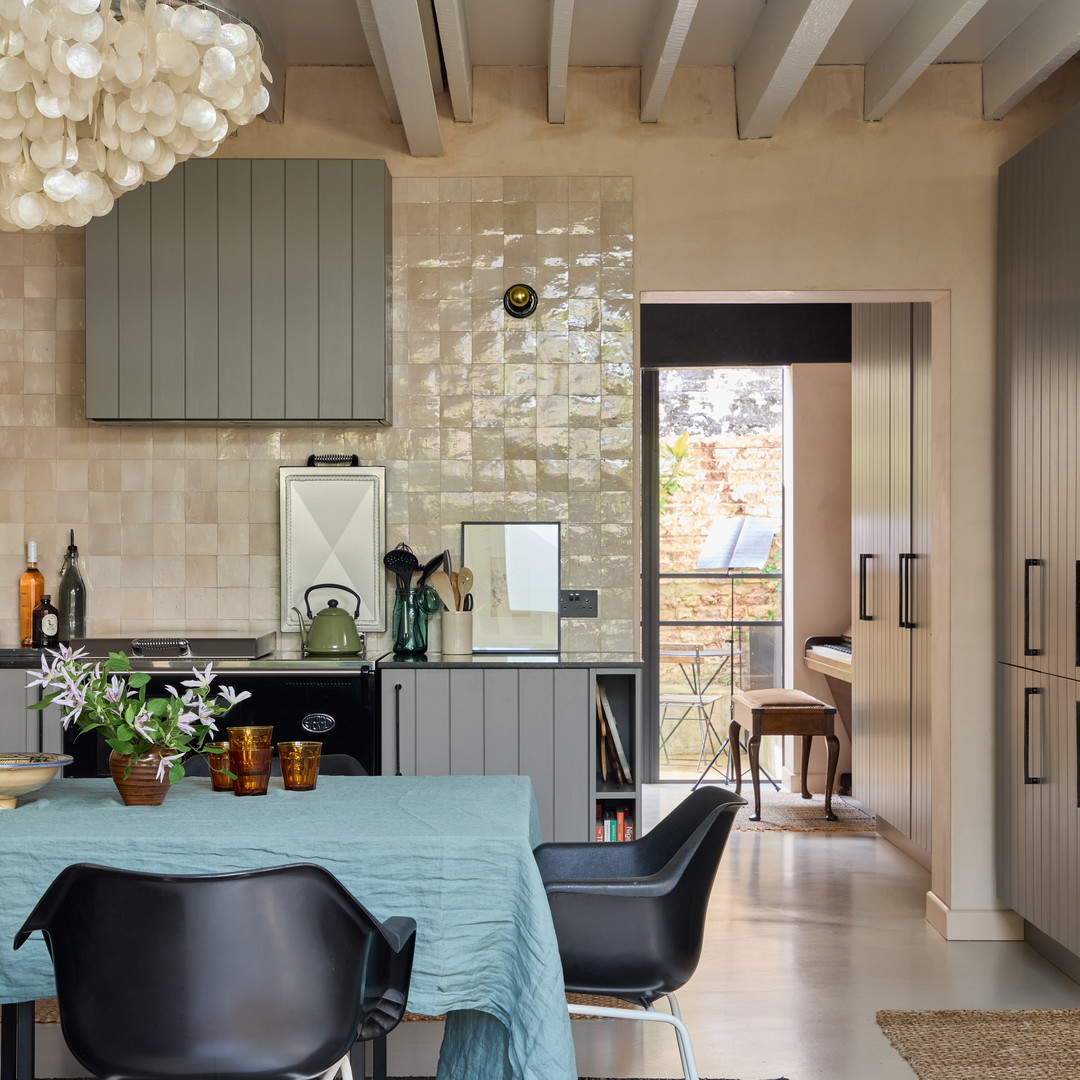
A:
{"x": 98, "y": 98}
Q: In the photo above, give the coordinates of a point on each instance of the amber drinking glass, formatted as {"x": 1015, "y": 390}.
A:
{"x": 220, "y": 780}
{"x": 299, "y": 764}
{"x": 250, "y": 753}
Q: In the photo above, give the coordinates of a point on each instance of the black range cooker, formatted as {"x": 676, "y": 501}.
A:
{"x": 331, "y": 700}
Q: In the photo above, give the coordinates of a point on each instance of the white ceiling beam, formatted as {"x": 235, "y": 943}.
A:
{"x": 395, "y": 36}
{"x": 787, "y": 40}
{"x": 252, "y": 12}
{"x": 378, "y": 57}
{"x": 1029, "y": 55}
{"x": 562, "y": 15}
{"x": 912, "y": 46}
{"x": 662, "y": 54}
{"x": 454, "y": 37}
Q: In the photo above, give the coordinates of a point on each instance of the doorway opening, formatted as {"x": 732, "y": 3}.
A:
{"x": 720, "y": 441}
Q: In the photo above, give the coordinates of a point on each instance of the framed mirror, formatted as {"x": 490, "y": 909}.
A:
{"x": 515, "y": 588}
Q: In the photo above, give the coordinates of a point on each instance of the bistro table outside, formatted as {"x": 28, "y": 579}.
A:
{"x": 454, "y": 853}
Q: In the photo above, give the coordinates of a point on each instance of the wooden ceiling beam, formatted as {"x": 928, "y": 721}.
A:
{"x": 395, "y": 36}
{"x": 562, "y": 15}
{"x": 454, "y": 39}
{"x": 1030, "y": 55}
{"x": 912, "y": 46}
{"x": 785, "y": 44}
{"x": 662, "y": 54}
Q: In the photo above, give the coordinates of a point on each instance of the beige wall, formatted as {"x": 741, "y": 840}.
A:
{"x": 817, "y": 508}
{"x": 829, "y": 203}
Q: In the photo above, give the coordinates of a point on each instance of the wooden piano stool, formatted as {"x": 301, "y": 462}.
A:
{"x": 782, "y": 712}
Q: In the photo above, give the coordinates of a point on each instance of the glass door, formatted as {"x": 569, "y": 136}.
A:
{"x": 720, "y": 435}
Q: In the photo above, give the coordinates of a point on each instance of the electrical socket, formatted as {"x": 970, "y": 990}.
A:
{"x": 578, "y": 603}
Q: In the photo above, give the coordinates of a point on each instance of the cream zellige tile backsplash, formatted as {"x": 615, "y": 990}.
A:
{"x": 494, "y": 419}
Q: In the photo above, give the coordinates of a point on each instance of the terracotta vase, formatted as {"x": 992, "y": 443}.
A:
{"x": 141, "y": 787}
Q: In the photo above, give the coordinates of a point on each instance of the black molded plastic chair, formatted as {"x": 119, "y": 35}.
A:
{"x": 262, "y": 975}
{"x": 630, "y": 917}
{"x": 329, "y": 765}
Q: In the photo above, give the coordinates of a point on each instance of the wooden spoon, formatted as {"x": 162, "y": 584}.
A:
{"x": 464, "y": 581}
{"x": 441, "y": 584}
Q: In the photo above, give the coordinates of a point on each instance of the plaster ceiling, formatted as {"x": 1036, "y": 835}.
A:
{"x": 423, "y": 48}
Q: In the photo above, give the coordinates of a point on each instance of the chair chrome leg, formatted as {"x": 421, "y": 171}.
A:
{"x": 686, "y": 1048}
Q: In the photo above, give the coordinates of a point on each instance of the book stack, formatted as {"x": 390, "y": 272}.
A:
{"x": 614, "y": 823}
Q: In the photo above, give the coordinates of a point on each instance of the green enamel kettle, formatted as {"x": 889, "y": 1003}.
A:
{"x": 333, "y": 630}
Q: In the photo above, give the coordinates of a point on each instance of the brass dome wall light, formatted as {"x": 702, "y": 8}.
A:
{"x": 520, "y": 301}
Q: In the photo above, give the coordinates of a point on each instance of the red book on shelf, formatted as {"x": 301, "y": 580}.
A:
{"x": 620, "y": 823}
{"x": 627, "y": 832}
{"x": 598, "y": 835}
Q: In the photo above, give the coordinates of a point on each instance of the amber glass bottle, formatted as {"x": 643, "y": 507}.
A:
{"x": 31, "y": 587}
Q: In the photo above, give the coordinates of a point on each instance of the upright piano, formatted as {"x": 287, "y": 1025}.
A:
{"x": 832, "y": 657}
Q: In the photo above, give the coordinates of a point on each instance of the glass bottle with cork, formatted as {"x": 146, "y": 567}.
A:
{"x": 46, "y": 625}
{"x": 72, "y": 596}
{"x": 31, "y": 587}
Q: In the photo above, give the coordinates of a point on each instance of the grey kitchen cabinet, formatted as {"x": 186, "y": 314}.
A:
{"x": 890, "y": 740}
{"x": 1039, "y": 868}
{"x": 540, "y": 722}
{"x": 20, "y": 729}
{"x": 243, "y": 290}
{"x": 1038, "y": 352}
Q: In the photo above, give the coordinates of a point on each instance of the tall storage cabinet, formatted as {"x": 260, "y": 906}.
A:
{"x": 891, "y": 549}
{"x": 1039, "y": 398}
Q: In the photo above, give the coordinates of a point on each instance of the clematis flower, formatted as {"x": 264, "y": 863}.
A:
{"x": 166, "y": 762}
{"x": 231, "y": 696}
{"x": 202, "y": 679}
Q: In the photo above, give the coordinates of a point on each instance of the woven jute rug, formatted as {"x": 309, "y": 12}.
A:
{"x": 970, "y": 1044}
{"x": 790, "y": 812}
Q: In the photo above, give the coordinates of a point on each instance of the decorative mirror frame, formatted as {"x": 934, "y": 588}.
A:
{"x": 333, "y": 529}
{"x": 513, "y": 561}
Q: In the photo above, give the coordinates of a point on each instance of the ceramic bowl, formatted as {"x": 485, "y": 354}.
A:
{"x": 22, "y": 773}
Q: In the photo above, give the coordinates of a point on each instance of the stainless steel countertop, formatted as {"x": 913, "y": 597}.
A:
{"x": 292, "y": 662}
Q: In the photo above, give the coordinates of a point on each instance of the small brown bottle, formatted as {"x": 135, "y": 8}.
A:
{"x": 31, "y": 586}
{"x": 46, "y": 628}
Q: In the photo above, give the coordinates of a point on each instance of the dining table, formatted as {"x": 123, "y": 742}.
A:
{"x": 453, "y": 852}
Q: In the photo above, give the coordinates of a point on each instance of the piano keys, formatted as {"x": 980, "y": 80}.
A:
{"x": 831, "y": 656}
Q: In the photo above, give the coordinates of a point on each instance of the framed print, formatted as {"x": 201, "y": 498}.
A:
{"x": 515, "y": 588}
{"x": 333, "y": 530}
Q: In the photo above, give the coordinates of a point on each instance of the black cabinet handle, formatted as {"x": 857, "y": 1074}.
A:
{"x": 906, "y": 561}
{"x": 1028, "y": 650}
{"x": 863, "y": 560}
{"x": 1078, "y": 755}
{"x": 397, "y": 727}
{"x": 1029, "y": 693}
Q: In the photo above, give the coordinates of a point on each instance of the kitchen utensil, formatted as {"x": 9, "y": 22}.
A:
{"x": 333, "y": 631}
{"x": 441, "y": 584}
{"x": 464, "y": 581}
{"x": 427, "y": 569}
{"x": 402, "y": 562}
{"x": 457, "y": 594}
{"x": 467, "y": 603}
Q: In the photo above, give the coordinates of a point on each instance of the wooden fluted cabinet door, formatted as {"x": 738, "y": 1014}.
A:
{"x": 243, "y": 290}
{"x": 891, "y": 570}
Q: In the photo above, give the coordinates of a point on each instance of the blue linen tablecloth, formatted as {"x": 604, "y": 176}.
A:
{"x": 455, "y": 853}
